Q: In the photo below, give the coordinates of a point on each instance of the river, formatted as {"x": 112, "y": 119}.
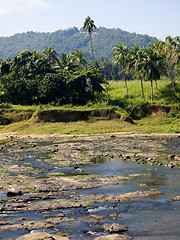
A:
{"x": 151, "y": 218}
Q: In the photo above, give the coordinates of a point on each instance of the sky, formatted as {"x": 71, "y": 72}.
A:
{"x": 157, "y": 18}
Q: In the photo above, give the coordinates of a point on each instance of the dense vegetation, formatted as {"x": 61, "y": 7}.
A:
{"x": 69, "y": 40}
{"x": 33, "y": 77}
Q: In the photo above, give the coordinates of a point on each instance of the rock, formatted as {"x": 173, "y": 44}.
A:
{"x": 177, "y": 198}
{"x": 41, "y": 236}
{"x": 13, "y": 192}
{"x": 114, "y": 215}
{"x": 96, "y": 218}
{"x": 115, "y": 227}
{"x": 121, "y": 197}
{"x": 2, "y": 222}
{"x": 58, "y": 220}
{"x": 171, "y": 156}
{"x": 112, "y": 237}
{"x": 29, "y": 225}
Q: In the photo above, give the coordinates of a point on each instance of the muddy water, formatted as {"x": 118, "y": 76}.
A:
{"x": 152, "y": 218}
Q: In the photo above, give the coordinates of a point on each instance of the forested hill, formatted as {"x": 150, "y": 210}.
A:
{"x": 69, "y": 40}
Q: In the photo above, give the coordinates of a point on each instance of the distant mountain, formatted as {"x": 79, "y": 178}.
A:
{"x": 104, "y": 39}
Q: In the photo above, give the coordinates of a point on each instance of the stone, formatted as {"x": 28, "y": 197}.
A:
{"x": 114, "y": 215}
{"x": 40, "y": 236}
{"x": 13, "y": 192}
{"x": 177, "y": 198}
{"x": 112, "y": 237}
{"x": 29, "y": 225}
{"x": 58, "y": 220}
{"x": 114, "y": 227}
{"x": 171, "y": 156}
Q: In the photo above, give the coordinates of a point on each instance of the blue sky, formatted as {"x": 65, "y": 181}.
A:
{"x": 158, "y": 18}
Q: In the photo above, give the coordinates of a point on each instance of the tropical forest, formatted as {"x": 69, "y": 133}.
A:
{"x": 125, "y": 77}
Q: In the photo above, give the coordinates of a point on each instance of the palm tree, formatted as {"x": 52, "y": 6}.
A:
{"x": 172, "y": 54}
{"x": 134, "y": 58}
{"x": 79, "y": 58}
{"x": 151, "y": 66}
{"x": 51, "y": 55}
{"x": 89, "y": 26}
{"x": 120, "y": 57}
{"x": 67, "y": 62}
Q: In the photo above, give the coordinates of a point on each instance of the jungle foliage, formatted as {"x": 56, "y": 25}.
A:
{"x": 41, "y": 78}
{"x": 46, "y": 76}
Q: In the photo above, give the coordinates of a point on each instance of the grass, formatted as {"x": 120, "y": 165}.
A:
{"x": 157, "y": 123}
{"x": 162, "y": 95}
{"x": 119, "y": 101}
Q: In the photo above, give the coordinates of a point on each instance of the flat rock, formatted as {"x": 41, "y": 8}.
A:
{"x": 41, "y": 236}
{"x": 29, "y": 225}
{"x": 112, "y": 237}
{"x": 121, "y": 197}
{"x": 114, "y": 227}
{"x": 177, "y": 198}
{"x": 58, "y": 220}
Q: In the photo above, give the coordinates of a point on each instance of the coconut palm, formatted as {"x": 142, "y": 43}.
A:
{"x": 89, "y": 26}
{"x": 120, "y": 57}
{"x": 151, "y": 66}
{"x": 67, "y": 62}
{"x": 134, "y": 59}
{"x": 51, "y": 55}
{"x": 172, "y": 53}
{"x": 79, "y": 58}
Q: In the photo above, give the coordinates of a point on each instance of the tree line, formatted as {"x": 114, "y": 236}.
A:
{"x": 33, "y": 77}
{"x": 46, "y": 77}
{"x": 161, "y": 58}
{"x": 104, "y": 39}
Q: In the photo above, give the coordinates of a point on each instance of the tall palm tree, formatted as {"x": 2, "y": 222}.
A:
{"x": 151, "y": 66}
{"x": 172, "y": 54}
{"x": 134, "y": 58}
{"x": 120, "y": 57}
{"x": 89, "y": 26}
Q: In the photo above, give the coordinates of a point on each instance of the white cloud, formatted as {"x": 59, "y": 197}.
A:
{"x": 8, "y": 7}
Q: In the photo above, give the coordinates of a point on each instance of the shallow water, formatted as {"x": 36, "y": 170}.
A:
{"x": 152, "y": 218}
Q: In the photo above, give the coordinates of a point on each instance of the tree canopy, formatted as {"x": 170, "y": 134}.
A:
{"x": 104, "y": 39}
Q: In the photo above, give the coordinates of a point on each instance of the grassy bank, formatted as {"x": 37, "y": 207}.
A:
{"x": 132, "y": 106}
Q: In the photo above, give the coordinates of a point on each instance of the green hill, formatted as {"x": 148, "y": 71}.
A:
{"x": 104, "y": 40}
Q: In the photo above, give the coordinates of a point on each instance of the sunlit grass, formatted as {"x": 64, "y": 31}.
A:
{"x": 119, "y": 101}
{"x": 117, "y": 91}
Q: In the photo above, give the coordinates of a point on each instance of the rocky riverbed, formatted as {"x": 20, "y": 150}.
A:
{"x": 43, "y": 174}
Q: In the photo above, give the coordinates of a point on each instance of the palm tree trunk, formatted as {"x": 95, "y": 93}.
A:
{"x": 173, "y": 88}
{"x": 156, "y": 84}
{"x": 142, "y": 89}
{"x": 151, "y": 91}
{"x": 92, "y": 48}
{"x": 107, "y": 93}
{"x": 126, "y": 84}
